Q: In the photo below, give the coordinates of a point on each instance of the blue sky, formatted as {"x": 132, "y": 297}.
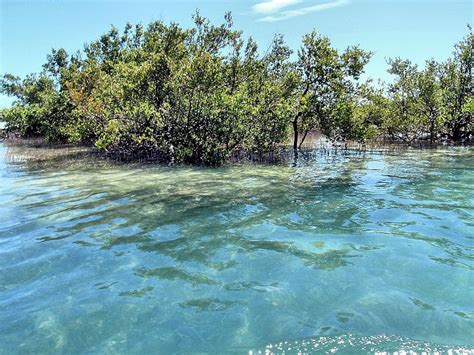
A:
{"x": 415, "y": 29}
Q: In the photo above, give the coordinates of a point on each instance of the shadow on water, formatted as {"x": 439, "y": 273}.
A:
{"x": 211, "y": 209}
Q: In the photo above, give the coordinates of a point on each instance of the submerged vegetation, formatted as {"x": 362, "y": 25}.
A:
{"x": 205, "y": 94}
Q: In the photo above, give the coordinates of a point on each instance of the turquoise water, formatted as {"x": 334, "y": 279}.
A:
{"x": 343, "y": 250}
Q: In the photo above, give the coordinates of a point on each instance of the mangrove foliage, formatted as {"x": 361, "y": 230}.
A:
{"x": 204, "y": 94}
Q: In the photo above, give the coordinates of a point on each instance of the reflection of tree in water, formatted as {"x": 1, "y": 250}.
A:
{"x": 36, "y": 155}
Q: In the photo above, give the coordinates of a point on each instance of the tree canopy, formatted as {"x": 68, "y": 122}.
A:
{"x": 203, "y": 94}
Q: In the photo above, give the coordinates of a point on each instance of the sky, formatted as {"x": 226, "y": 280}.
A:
{"x": 413, "y": 29}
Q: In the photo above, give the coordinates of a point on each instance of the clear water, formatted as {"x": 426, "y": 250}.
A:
{"x": 345, "y": 250}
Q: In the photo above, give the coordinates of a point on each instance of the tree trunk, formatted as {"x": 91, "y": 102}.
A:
{"x": 432, "y": 132}
{"x": 295, "y": 131}
{"x": 302, "y": 139}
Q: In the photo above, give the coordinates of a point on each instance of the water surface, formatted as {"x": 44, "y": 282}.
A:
{"x": 358, "y": 251}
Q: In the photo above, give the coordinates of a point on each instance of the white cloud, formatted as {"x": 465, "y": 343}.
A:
{"x": 302, "y": 11}
{"x": 271, "y": 6}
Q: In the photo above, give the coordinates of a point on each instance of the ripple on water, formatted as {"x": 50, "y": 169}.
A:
{"x": 327, "y": 253}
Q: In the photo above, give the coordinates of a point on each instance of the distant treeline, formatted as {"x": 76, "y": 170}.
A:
{"x": 204, "y": 94}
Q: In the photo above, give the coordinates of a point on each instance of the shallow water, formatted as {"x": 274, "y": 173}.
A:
{"x": 344, "y": 250}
